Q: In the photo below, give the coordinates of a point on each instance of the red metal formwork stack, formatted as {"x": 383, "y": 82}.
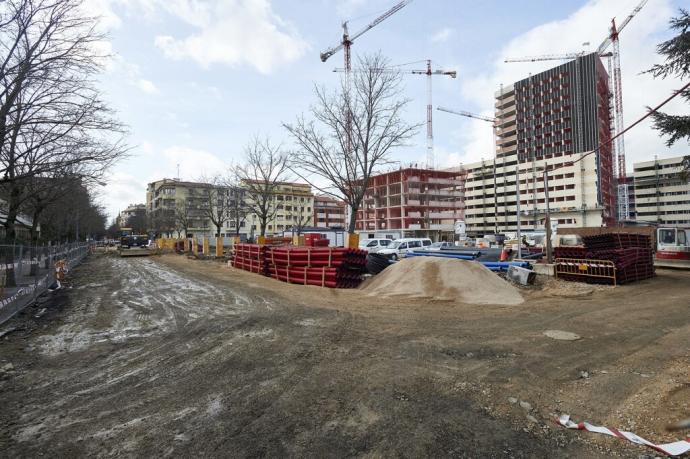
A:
{"x": 332, "y": 267}
{"x": 250, "y": 257}
{"x": 631, "y": 254}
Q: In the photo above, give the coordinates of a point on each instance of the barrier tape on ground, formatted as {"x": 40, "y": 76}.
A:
{"x": 672, "y": 449}
{"x": 26, "y": 290}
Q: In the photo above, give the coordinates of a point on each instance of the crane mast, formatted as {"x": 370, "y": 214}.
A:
{"x": 430, "y": 157}
{"x": 345, "y": 44}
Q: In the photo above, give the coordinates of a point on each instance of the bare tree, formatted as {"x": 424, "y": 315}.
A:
{"x": 137, "y": 221}
{"x": 51, "y": 114}
{"x": 238, "y": 209}
{"x": 216, "y": 204}
{"x": 183, "y": 218}
{"x": 346, "y": 154}
{"x": 301, "y": 219}
{"x": 43, "y": 192}
{"x": 162, "y": 221}
{"x": 265, "y": 167}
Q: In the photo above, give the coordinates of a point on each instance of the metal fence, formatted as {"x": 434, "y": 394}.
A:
{"x": 26, "y": 272}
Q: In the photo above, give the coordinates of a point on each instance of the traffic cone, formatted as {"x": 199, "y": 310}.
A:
{"x": 504, "y": 254}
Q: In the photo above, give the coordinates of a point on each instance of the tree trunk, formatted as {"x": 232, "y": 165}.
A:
{"x": 353, "y": 219}
{"x": 34, "y": 242}
{"x": 11, "y": 236}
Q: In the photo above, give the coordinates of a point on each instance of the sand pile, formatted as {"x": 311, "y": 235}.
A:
{"x": 443, "y": 279}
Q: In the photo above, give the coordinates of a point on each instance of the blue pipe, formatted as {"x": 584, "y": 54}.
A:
{"x": 505, "y": 264}
{"x": 440, "y": 255}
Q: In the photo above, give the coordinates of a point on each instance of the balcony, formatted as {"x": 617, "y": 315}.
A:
{"x": 504, "y": 141}
{"x": 442, "y": 226}
{"x": 444, "y": 215}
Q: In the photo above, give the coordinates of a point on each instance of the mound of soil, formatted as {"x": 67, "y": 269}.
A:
{"x": 444, "y": 279}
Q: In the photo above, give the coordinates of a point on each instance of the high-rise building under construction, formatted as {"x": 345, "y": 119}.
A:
{"x": 551, "y": 120}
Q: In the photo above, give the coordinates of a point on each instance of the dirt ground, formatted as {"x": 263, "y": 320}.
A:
{"x": 166, "y": 356}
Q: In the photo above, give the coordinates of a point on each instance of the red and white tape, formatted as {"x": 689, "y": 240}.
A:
{"x": 672, "y": 449}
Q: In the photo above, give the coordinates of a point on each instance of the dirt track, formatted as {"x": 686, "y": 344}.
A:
{"x": 169, "y": 356}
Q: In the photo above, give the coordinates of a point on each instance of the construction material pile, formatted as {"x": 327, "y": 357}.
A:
{"x": 444, "y": 279}
{"x": 631, "y": 255}
{"x": 496, "y": 266}
{"x": 250, "y": 257}
{"x": 332, "y": 267}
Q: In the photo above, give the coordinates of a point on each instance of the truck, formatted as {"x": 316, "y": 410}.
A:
{"x": 133, "y": 244}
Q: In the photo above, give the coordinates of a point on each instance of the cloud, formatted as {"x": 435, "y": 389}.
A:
{"x": 121, "y": 190}
{"x": 147, "y": 86}
{"x": 233, "y": 33}
{"x": 347, "y": 8}
{"x": 588, "y": 24}
{"x": 442, "y": 35}
{"x": 193, "y": 163}
{"x": 131, "y": 74}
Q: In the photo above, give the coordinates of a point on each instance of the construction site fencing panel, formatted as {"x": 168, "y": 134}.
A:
{"x": 26, "y": 272}
{"x": 586, "y": 270}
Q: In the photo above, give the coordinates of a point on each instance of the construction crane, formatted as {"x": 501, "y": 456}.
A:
{"x": 348, "y": 40}
{"x": 552, "y": 57}
{"x": 467, "y": 114}
{"x": 494, "y": 124}
{"x": 430, "y": 158}
{"x": 615, "y": 84}
{"x": 345, "y": 46}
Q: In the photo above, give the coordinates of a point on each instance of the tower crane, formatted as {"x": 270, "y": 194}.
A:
{"x": 494, "y": 124}
{"x": 345, "y": 44}
{"x": 467, "y": 114}
{"x": 430, "y": 159}
{"x": 348, "y": 40}
{"x": 615, "y": 83}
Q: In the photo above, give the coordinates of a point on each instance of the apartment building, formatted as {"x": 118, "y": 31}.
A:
{"x": 413, "y": 202}
{"x": 329, "y": 212}
{"x": 661, "y": 195}
{"x": 552, "y": 120}
{"x": 169, "y": 200}
{"x": 130, "y": 211}
{"x": 294, "y": 208}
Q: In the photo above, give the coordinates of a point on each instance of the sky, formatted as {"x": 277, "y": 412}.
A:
{"x": 196, "y": 80}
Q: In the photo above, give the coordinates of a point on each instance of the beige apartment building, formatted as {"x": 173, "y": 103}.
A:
{"x": 167, "y": 196}
{"x": 294, "y": 209}
{"x": 661, "y": 195}
{"x": 130, "y": 211}
{"x": 293, "y": 204}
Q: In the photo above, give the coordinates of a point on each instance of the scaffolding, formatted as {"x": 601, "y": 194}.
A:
{"x": 414, "y": 202}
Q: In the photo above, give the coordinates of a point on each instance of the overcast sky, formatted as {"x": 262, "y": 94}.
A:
{"x": 196, "y": 79}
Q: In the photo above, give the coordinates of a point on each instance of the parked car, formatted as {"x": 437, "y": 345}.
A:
{"x": 374, "y": 245}
{"x": 437, "y": 246}
{"x": 400, "y": 247}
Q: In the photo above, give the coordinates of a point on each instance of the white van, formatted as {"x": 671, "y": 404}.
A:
{"x": 400, "y": 247}
{"x": 374, "y": 245}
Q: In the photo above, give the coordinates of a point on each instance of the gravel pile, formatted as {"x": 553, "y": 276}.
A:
{"x": 443, "y": 279}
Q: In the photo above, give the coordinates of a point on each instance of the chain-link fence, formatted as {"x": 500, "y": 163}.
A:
{"x": 28, "y": 271}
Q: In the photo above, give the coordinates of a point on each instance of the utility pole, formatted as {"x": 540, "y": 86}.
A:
{"x": 517, "y": 212}
{"x": 547, "y": 217}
